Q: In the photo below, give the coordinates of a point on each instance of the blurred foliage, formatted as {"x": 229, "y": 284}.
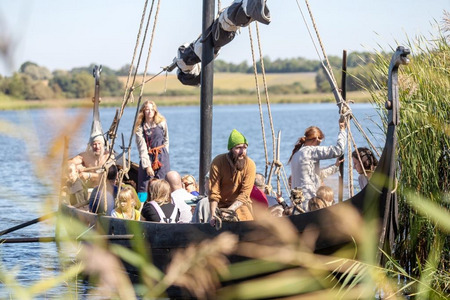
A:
{"x": 423, "y": 245}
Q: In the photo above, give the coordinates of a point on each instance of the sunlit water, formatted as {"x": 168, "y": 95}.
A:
{"x": 27, "y": 188}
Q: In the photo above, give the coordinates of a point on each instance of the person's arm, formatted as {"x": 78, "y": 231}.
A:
{"x": 326, "y": 152}
{"x": 143, "y": 151}
{"x": 214, "y": 193}
{"x": 77, "y": 160}
{"x": 165, "y": 129}
{"x": 213, "y": 207}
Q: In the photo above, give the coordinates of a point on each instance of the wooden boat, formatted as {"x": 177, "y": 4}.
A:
{"x": 377, "y": 199}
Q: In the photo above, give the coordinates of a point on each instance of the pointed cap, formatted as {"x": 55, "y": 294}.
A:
{"x": 236, "y": 138}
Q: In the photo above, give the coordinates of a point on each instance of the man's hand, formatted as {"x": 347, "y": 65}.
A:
{"x": 150, "y": 171}
{"x": 212, "y": 222}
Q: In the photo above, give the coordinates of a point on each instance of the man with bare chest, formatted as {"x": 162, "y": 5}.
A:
{"x": 86, "y": 164}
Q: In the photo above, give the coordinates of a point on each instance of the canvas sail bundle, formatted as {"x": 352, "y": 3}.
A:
{"x": 239, "y": 14}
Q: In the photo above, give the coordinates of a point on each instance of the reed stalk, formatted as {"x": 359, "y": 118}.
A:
{"x": 423, "y": 152}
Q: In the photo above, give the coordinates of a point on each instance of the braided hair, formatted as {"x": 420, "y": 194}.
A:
{"x": 311, "y": 133}
{"x": 369, "y": 161}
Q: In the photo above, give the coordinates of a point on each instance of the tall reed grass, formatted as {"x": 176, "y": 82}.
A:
{"x": 423, "y": 245}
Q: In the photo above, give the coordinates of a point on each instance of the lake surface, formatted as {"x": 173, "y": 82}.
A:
{"x": 31, "y": 158}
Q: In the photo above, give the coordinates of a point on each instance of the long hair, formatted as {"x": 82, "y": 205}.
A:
{"x": 157, "y": 118}
{"x": 128, "y": 193}
{"x": 159, "y": 191}
{"x": 369, "y": 161}
{"x": 311, "y": 133}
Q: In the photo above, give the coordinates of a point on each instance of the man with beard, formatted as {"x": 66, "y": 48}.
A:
{"x": 232, "y": 176}
{"x": 94, "y": 157}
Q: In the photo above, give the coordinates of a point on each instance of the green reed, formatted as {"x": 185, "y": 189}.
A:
{"x": 423, "y": 245}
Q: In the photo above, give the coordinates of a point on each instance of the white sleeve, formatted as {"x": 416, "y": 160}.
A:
{"x": 327, "y": 171}
{"x": 142, "y": 148}
{"x": 165, "y": 129}
{"x": 326, "y": 152}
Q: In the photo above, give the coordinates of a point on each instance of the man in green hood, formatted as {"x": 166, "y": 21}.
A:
{"x": 232, "y": 176}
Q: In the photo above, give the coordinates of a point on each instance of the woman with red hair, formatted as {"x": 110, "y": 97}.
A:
{"x": 306, "y": 156}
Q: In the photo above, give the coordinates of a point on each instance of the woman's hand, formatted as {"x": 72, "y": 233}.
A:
{"x": 338, "y": 161}
{"x": 150, "y": 171}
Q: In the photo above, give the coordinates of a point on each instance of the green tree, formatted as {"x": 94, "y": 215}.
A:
{"x": 123, "y": 71}
{"x": 34, "y": 71}
{"x": 19, "y": 86}
{"x": 111, "y": 86}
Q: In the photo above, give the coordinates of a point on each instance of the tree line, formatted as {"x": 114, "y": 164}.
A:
{"x": 34, "y": 82}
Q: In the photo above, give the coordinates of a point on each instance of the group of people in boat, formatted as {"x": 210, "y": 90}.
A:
{"x": 233, "y": 188}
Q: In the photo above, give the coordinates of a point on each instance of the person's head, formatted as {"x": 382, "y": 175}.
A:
{"x": 174, "y": 180}
{"x": 326, "y": 193}
{"x": 112, "y": 173}
{"x": 237, "y": 147}
{"x": 260, "y": 182}
{"x": 127, "y": 198}
{"x": 148, "y": 112}
{"x": 189, "y": 183}
{"x": 159, "y": 191}
{"x": 324, "y": 198}
{"x": 313, "y": 137}
{"x": 97, "y": 144}
{"x": 369, "y": 162}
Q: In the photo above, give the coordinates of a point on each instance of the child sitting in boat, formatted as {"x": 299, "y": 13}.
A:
{"x": 159, "y": 207}
{"x": 324, "y": 198}
{"x": 125, "y": 206}
{"x": 190, "y": 184}
{"x": 364, "y": 165}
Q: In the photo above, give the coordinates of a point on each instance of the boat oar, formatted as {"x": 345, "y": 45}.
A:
{"x": 28, "y": 223}
{"x": 49, "y": 239}
{"x": 37, "y": 220}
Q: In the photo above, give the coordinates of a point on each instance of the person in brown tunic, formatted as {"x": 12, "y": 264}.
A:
{"x": 232, "y": 176}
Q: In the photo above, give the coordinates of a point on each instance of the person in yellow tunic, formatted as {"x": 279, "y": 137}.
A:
{"x": 126, "y": 203}
{"x": 231, "y": 178}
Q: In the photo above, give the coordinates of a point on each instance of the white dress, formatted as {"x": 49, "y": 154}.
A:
{"x": 305, "y": 165}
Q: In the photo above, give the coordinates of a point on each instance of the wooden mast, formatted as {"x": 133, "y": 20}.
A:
{"x": 344, "y": 96}
{"x": 206, "y": 92}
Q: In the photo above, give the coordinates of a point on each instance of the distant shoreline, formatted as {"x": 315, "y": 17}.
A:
{"x": 191, "y": 100}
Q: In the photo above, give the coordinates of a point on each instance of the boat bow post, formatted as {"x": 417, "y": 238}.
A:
{"x": 388, "y": 201}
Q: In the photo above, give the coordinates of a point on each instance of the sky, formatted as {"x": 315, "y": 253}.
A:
{"x": 67, "y": 34}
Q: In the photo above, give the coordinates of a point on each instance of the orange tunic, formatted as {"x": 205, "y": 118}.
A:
{"x": 229, "y": 185}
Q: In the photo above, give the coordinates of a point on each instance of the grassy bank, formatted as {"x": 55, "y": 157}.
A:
{"x": 230, "y": 88}
{"x": 10, "y": 104}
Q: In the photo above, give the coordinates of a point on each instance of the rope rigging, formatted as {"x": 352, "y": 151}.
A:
{"x": 344, "y": 108}
{"x": 276, "y": 167}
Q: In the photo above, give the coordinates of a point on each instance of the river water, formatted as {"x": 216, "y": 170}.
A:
{"x": 31, "y": 157}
